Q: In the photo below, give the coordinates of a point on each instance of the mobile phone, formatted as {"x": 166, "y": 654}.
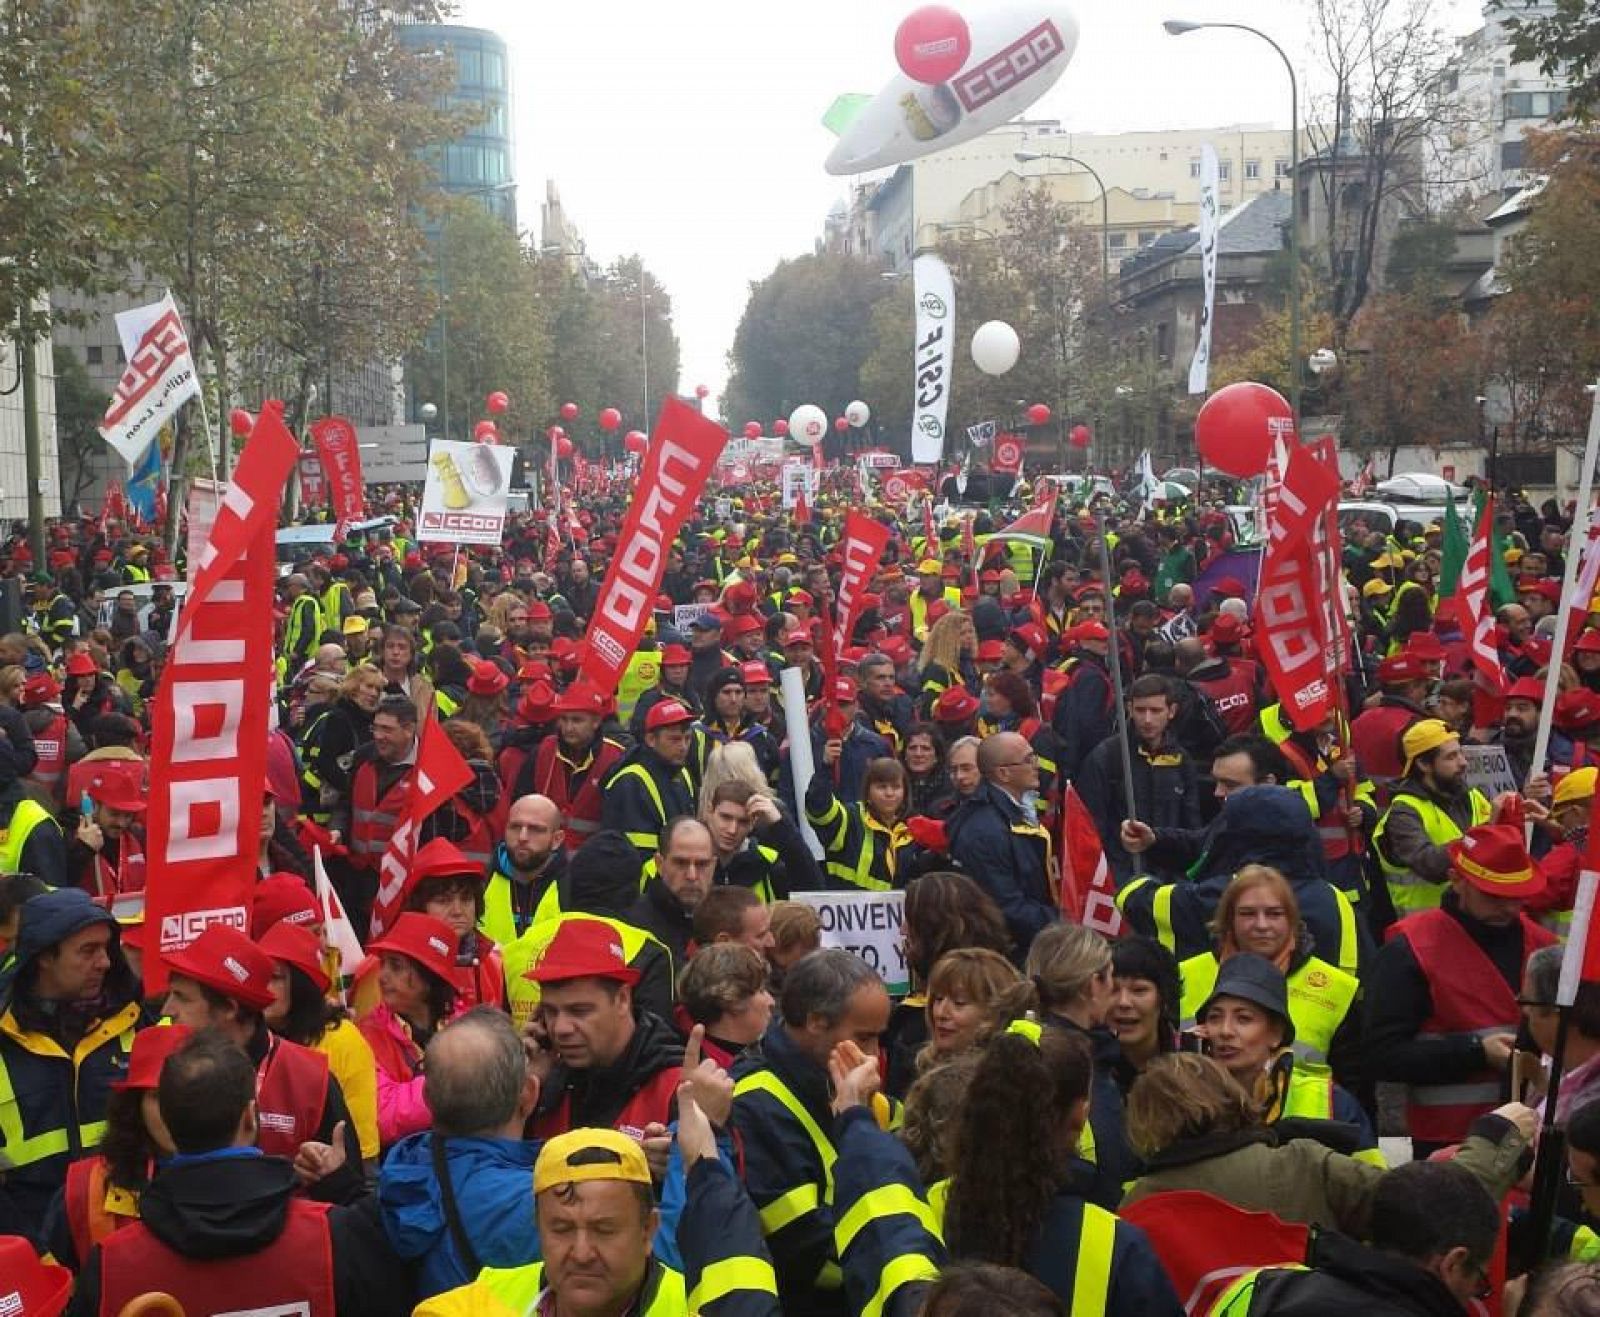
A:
{"x": 86, "y": 806}
{"x": 1190, "y": 1041}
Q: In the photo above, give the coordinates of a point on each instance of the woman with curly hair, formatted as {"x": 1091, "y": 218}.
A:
{"x": 946, "y": 660}
{"x": 1017, "y": 1198}
{"x": 969, "y": 992}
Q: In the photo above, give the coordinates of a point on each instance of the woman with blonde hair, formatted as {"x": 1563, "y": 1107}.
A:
{"x": 1197, "y": 1129}
{"x": 1258, "y": 913}
{"x": 732, "y": 761}
{"x": 969, "y": 992}
{"x": 946, "y": 660}
{"x": 1070, "y": 987}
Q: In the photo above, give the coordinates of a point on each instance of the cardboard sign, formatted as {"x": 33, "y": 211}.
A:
{"x": 1489, "y": 770}
{"x": 464, "y": 500}
{"x": 684, "y": 614}
{"x": 868, "y": 925}
{"x": 798, "y": 479}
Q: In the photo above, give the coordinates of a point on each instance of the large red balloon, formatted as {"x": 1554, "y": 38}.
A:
{"x": 841, "y": 425}
{"x": 1038, "y": 414}
{"x": 701, "y": 391}
{"x": 780, "y": 428}
{"x": 636, "y": 441}
{"x": 484, "y": 431}
{"x": 752, "y": 429}
{"x": 931, "y": 44}
{"x": 610, "y": 419}
{"x": 497, "y": 402}
{"x": 563, "y": 446}
{"x": 240, "y": 421}
{"x": 1080, "y": 436}
{"x": 569, "y": 411}
{"x": 1236, "y": 428}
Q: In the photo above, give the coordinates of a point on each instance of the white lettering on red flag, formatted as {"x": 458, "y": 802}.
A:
{"x": 159, "y": 379}
{"x": 340, "y": 452}
{"x": 440, "y": 772}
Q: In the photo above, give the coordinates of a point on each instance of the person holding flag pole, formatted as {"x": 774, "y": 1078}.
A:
{"x": 1114, "y": 662}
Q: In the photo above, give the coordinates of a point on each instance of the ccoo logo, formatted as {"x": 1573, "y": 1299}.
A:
{"x": 933, "y": 306}
{"x": 929, "y": 425}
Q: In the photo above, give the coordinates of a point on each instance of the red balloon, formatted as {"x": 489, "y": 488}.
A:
{"x": 701, "y": 391}
{"x": 780, "y": 428}
{"x": 569, "y": 411}
{"x": 636, "y": 441}
{"x": 1080, "y": 436}
{"x": 240, "y": 421}
{"x": 841, "y": 425}
{"x": 1237, "y": 426}
{"x": 931, "y": 44}
{"x": 1038, "y": 414}
{"x": 610, "y": 419}
{"x": 497, "y": 402}
{"x": 752, "y": 429}
{"x": 484, "y": 431}
{"x": 563, "y": 446}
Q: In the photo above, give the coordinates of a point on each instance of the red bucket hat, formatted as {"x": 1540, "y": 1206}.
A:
{"x": 584, "y": 949}
{"x": 430, "y": 942}
{"x": 225, "y": 960}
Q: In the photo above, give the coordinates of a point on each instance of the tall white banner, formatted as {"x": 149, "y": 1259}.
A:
{"x": 159, "y": 377}
{"x": 935, "y": 356}
{"x": 1200, "y": 367}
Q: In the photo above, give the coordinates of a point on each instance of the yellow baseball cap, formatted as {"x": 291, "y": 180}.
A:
{"x": 1424, "y": 735}
{"x": 930, "y": 567}
{"x": 589, "y": 1154}
{"x": 1376, "y": 586}
{"x": 1579, "y": 784}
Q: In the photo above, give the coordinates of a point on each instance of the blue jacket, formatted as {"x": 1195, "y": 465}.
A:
{"x": 493, "y": 1181}
{"x": 1005, "y": 855}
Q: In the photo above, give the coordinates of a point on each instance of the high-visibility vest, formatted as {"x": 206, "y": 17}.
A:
{"x": 28, "y": 815}
{"x": 519, "y": 955}
{"x": 293, "y": 1274}
{"x": 1407, "y": 891}
{"x": 373, "y": 821}
{"x": 519, "y": 1290}
{"x": 864, "y": 856}
{"x": 500, "y": 920}
{"x": 650, "y": 842}
{"x": 1468, "y": 995}
{"x": 554, "y": 775}
{"x": 1321, "y": 995}
{"x": 1310, "y": 1097}
{"x": 51, "y": 744}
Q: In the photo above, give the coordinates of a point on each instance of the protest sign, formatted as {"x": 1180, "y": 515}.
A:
{"x": 1488, "y": 769}
{"x": 867, "y": 924}
{"x": 464, "y": 500}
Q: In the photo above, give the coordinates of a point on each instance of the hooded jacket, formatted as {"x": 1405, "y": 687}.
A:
{"x": 492, "y": 1179}
{"x": 218, "y": 1206}
{"x": 639, "y": 1087}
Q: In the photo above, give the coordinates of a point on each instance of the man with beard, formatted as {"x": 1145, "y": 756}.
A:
{"x": 580, "y": 590}
{"x": 1521, "y": 652}
{"x": 1519, "y": 726}
{"x": 1442, "y": 995}
{"x": 1432, "y": 807}
{"x": 527, "y": 884}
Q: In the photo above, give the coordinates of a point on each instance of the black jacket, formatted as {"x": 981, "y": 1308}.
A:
{"x": 991, "y": 840}
{"x": 1348, "y": 1277}
{"x": 1166, "y": 794}
{"x": 217, "y": 1208}
{"x": 662, "y": 915}
{"x": 599, "y": 1094}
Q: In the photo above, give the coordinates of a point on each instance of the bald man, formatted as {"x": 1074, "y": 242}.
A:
{"x": 996, "y": 836}
{"x": 528, "y": 876}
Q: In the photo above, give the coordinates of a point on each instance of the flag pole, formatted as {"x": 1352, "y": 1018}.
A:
{"x": 1580, "y": 516}
{"x": 1114, "y": 662}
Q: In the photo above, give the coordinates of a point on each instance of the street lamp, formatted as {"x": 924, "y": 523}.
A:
{"x": 1027, "y": 157}
{"x": 1177, "y": 27}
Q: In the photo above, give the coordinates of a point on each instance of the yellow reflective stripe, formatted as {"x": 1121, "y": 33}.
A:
{"x": 890, "y": 1200}
{"x": 829, "y": 1277}
{"x": 1162, "y": 912}
{"x": 765, "y": 1081}
{"x": 903, "y": 1270}
{"x": 650, "y": 839}
{"x": 1091, "y": 1281}
{"x": 93, "y": 1134}
{"x": 798, "y": 1202}
{"x": 730, "y": 1276}
{"x": 1348, "y": 950}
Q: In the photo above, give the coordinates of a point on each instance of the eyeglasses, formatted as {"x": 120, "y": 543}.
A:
{"x": 1020, "y": 763}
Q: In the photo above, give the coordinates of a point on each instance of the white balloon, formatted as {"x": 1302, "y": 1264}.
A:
{"x": 858, "y": 414}
{"x": 807, "y": 424}
{"x": 995, "y": 347}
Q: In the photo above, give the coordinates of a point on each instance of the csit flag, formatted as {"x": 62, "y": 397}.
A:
{"x": 159, "y": 378}
{"x": 212, "y": 712}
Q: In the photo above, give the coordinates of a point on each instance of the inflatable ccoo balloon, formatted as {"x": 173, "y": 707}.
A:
{"x": 931, "y": 44}
{"x": 858, "y": 414}
{"x": 752, "y": 429}
{"x": 1038, "y": 414}
{"x": 1237, "y": 426}
{"x": 569, "y": 411}
{"x": 636, "y": 441}
{"x": 807, "y": 424}
{"x": 995, "y": 347}
{"x": 1080, "y": 436}
{"x": 240, "y": 421}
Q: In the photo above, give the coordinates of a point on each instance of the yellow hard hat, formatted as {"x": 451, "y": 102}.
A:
{"x": 1579, "y": 784}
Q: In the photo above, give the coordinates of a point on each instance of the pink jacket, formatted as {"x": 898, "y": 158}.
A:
{"x": 401, "y": 1108}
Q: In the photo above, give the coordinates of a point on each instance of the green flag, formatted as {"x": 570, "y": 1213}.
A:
{"x": 1452, "y": 550}
{"x": 1501, "y": 589}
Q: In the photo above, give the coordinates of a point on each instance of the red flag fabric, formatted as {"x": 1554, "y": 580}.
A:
{"x": 1088, "y": 895}
{"x": 930, "y": 536}
{"x": 340, "y": 452}
{"x": 440, "y": 772}
{"x": 211, "y": 715}
{"x": 861, "y": 549}
{"x": 1584, "y": 586}
{"x": 680, "y": 459}
{"x": 1005, "y": 458}
{"x": 1035, "y": 521}
{"x": 1472, "y": 603}
{"x": 802, "y": 513}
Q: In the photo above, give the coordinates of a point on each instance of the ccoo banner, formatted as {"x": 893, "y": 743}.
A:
{"x": 934, "y": 356}
{"x": 1200, "y": 366}
{"x": 464, "y": 501}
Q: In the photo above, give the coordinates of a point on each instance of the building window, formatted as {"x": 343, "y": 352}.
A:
{"x": 1194, "y": 169}
{"x": 1224, "y": 170}
{"x": 494, "y": 69}
{"x": 1280, "y": 168}
{"x": 469, "y": 66}
{"x": 1252, "y": 169}
{"x": 122, "y": 357}
{"x": 1511, "y": 154}
{"x": 1117, "y": 241}
{"x": 1147, "y": 236}
{"x": 94, "y": 354}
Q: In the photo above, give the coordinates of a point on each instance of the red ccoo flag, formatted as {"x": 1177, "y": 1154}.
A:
{"x": 1088, "y": 896}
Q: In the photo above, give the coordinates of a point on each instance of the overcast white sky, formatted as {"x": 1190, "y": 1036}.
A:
{"x": 689, "y": 131}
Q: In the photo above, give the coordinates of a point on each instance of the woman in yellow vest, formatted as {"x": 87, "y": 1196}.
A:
{"x": 1258, "y": 913}
{"x": 1016, "y": 1197}
{"x": 1248, "y": 1030}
